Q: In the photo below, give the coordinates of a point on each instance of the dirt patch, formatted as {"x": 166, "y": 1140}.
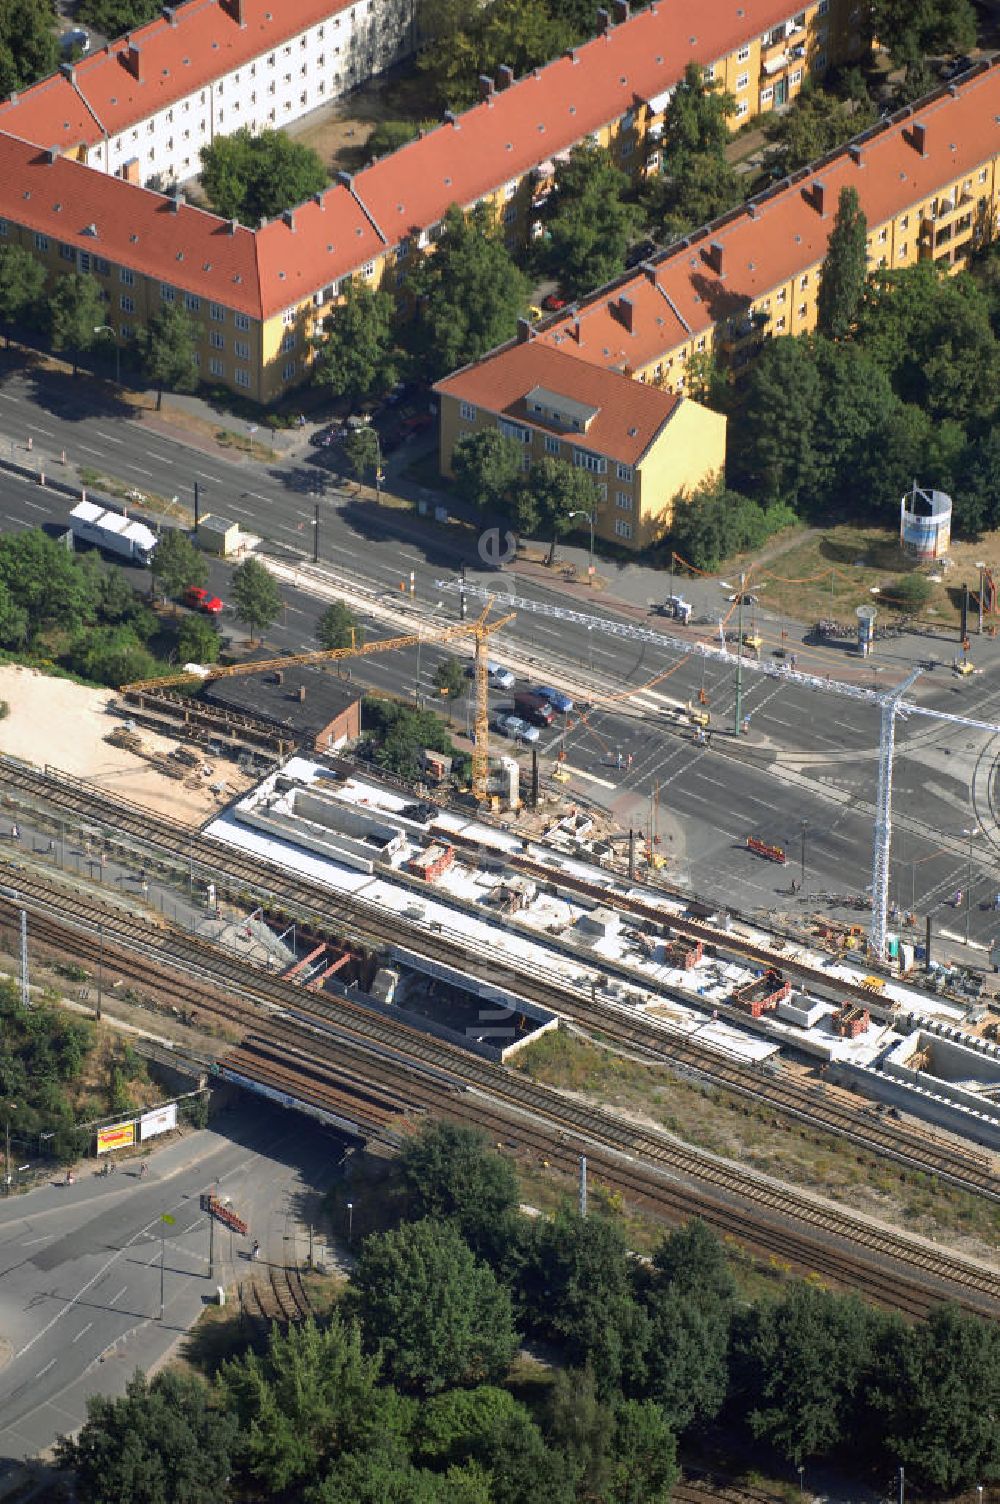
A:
{"x": 56, "y": 722}
{"x": 339, "y": 132}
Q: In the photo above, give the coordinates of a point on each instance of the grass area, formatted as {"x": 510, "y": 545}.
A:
{"x": 830, "y": 573}
{"x": 167, "y": 506}
{"x": 752, "y": 1133}
{"x": 245, "y": 444}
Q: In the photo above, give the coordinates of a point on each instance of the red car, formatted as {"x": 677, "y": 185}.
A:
{"x": 552, "y": 302}
{"x": 200, "y": 600}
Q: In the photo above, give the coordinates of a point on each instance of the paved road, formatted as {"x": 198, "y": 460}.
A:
{"x": 80, "y": 1265}
{"x": 809, "y": 757}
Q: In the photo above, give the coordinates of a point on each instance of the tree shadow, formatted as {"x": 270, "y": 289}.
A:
{"x": 868, "y": 550}
{"x": 76, "y": 399}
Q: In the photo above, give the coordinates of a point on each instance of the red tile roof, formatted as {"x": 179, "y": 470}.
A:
{"x": 204, "y": 43}
{"x": 186, "y": 247}
{"x": 332, "y": 237}
{"x": 554, "y": 107}
{"x": 629, "y": 415}
{"x": 767, "y": 244}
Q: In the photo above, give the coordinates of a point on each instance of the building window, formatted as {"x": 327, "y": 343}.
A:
{"x": 217, "y": 367}
{"x": 901, "y": 252}
{"x": 983, "y": 174}
{"x": 552, "y": 446}
{"x": 883, "y": 236}
{"x": 802, "y": 310}
{"x": 288, "y": 317}
{"x": 709, "y": 72}
{"x": 743, "y": 53}
{"x": 242, "y": 376}
{"x": 795, "y": 78}
{"x": 623, "y": 500}
{"x": 743, "y": 81}
{"x": 102, "y": 267}
{"x": 125, "y": 331}
{"x": 780, "y": 324}
{"x": 368, "y": 270}
{"x": 288, "y": 343}
{"x": 821, "y": 61}
{"x": 823, "y": 7}
{"x": 191, "y": 303}
{"x": 3, "y": 227}
{"x": 742, "y": 108}
{"x": 217, "y": 312}
{"x": 241, "y": 349}
{"x": 467, "y": 411}
{"x": 41, "y": 242}
{"x": 127, "y": 304}
{"x": 514, "y": 431}
{"x": 241, "y": 320}
{"x": 781, "y": 295}
{"x": 625, "y": 471}
{"x": 167, "y": 293}
{"x": 67, "y": 252}
{"x": 217, "y": 340}
{"x": 804, "y": 281}
{"x": 623, "y": 528}
{"x": 595, "y": 463}
{"x": 288, "y": 370}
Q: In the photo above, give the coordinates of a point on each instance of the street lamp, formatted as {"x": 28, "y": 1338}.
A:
{"x": 9, "y": 1108}
{"x": 107, "y": 329}
{"x": 316, "y": 534}
{"x": 981, "y": 566}
{"x": 416, "y": 682}
{"x": 972, "y": 832}
{"x": 251, "y": 430}
{"x": 802, "y": 1473}
{"x": 590, "y": 518}
{"x": 350, "y": 1222}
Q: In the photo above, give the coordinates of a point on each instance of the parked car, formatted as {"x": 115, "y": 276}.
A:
{"x": 200, "y": 600}
{"x": 535, "y": 709}
{"x": 500, "y": 678}
{"x": 640, "y": 252}
{"x": 559, "y": 702}
{"x": 325, "y": 438}
{"x": 516, "y": 729}
{"x": 552, "y": 302}
{"x": 75, "y": 42}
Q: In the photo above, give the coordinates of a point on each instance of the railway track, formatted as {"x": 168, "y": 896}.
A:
{"x": 314, "y": 1049}
{"x": 966, "y": 1168}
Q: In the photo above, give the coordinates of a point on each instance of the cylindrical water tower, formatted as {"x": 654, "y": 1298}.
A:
{"x": 925, "y": 523}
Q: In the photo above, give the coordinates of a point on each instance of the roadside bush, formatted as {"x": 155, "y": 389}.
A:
{"x": 910, "y": 592}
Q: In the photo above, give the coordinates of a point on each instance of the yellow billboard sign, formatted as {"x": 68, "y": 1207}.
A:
{"x": 118, "y": 1136}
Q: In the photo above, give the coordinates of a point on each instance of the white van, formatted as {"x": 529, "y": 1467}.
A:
{"x": 500, "y": 678}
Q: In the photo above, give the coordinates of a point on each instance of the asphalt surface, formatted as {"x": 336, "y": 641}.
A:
{"x": 80, "y": 1264}
{"x": 808, "y": 765}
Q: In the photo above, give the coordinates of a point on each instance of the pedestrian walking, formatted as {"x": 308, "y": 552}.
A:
{"x": 15, "y": 833}
{"x": 256, "y": 1250}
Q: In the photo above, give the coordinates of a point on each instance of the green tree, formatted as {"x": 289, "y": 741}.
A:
{"x": 256, "y": 597}
{"x": 689, "y": 1298}
{"x": 816, "y": 123}
{"x": 363, "y": 451}
{"x": 396, "y": 735}
{"x": 356, "y": 353}
{"x": 168, "y": 351}
{"x": 468, "y": 294}
{"x": 487, "y": 1428}
{"x": 845, "y": 268}
{"x": 643, "y": 1455}
{"x": 910, "y": 592}
{"x": 388, "y": 136}
{"x": 371, "y": 1478}
{"x": 696, "y": 120}
{"x": 312, "y": 1396}
{"x": 28, "y": 46}
{"x": 337, "y": 627}
{"x": 488, "y": 468}
{"x": 160, "y": 1444}
{"x": 451, "y": 1171}
{"x": 977, "y": 503}
{"x": 449, "y": 61}
{"x": 112, "y": 18}
{"x": 76, "y": 310}
{"x": 434, "y": 1311}
{"x": 589, "y": 220}
{"x": 178, "y": 563}
{"x": 46, "y": 582}
{"x": 13, "y": 620}
{"x": 713, "y": 523}
{"x": 695, "y": 183}
{"x": 935, "y": 1399}
{"x": 522, "y": 34}
{"x": 112, "y": 656}
{"x": 254, "y": 176}
{"x": 912, "y": 30}
{"x": 450, "y": 682}
{"x": 22, "y": 285}
{"x": 581, "y": 1426}
{"x": 801, "y": 1365}
{"x": 771, "y": 448}
{"x": 556, "y": 490}
{"x": 198, "y": 641}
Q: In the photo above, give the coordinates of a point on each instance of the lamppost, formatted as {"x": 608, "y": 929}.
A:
{"x": 379, "y": 472}
{"x": 802, "y": 865}
{"x": 972, "y": 832}
{"x": 590, "y": 518}
{"x": 981, "y": 566}
{"x": 251, "y": 430}
{"x": 107, "y": 329}
{"x": 9, "y": 1108}
{"x": 416, "y": 682}
{"x": 316, "y": 533}
{"x": 802, "y": 1473}
{"x": 350, "y": 1223}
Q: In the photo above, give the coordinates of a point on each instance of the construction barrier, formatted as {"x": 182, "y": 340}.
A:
{"x": 761, "y": 848}
{"x": 224, "y": 1214}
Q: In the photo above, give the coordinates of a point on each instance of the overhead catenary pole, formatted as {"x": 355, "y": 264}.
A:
{"x": 583, "y": 1185}
{"x": 25, "y": 995}
{"x": 738, "y": 708}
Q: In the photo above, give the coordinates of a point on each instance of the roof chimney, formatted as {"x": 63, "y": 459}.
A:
{"x": 626, "y": 311}
{"x": 279, "y": 677}
{"x": 603, "y": 21}
{"x": 177, "y": 201}
{"x": 649, "y": 271}
{"x": 918, "y": 137}
{"x": 451, "y": 118}
{"x": 345, "y": 179}
{"x": 817, "y": 195}
{"x": 52, "y": 154}
{"x": 302, "y": 694}
{"x": 68, "y": 70}
{"x": 170, "y": 15}
{"x": 486, "y": 86}
{"x": 620, "y": 11}
{"x": 132, "y": 60}
{"x": 13, "y": 96}
{"x": 570, "y": 52}
{"x": 713, "y": 255}
{"x": 857, "y": 155}
{"x": 288, "y": 215}
{"x": 231, "y": 225}
{"x": 234, "y": 9}
{"x": 505, "y": 77}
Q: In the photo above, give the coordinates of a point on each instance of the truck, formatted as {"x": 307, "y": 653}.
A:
{"x": 534, "y": 708}
{"x": 112, "y": 532}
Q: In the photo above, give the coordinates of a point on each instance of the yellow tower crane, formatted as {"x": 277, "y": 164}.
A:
{"x": 481, "y": 629}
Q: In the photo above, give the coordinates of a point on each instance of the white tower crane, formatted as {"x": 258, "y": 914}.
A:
{"x": 889, "y": 704}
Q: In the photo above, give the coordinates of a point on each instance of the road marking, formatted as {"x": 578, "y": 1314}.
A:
{"x": 296, "y": 610}
{"x": 590, "y": 777}
{"x": 87, "y": 450}
{"x": 48, "y": 432}
{"x": 84, "y": 1332}
{"x": 31, "y": 1241}
{"x": 161, "y": 459}
{"x": 213, "y": 478}
{"x": 109, "y": 436}
{"x": 50, "y": 1364}
{"x": 5, "y": 396}
{"x": 255, "y": 494}
{"x": 34, "y": 506}
{"x": 121, "y": 1292}
{"x": 138, "y": 470}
